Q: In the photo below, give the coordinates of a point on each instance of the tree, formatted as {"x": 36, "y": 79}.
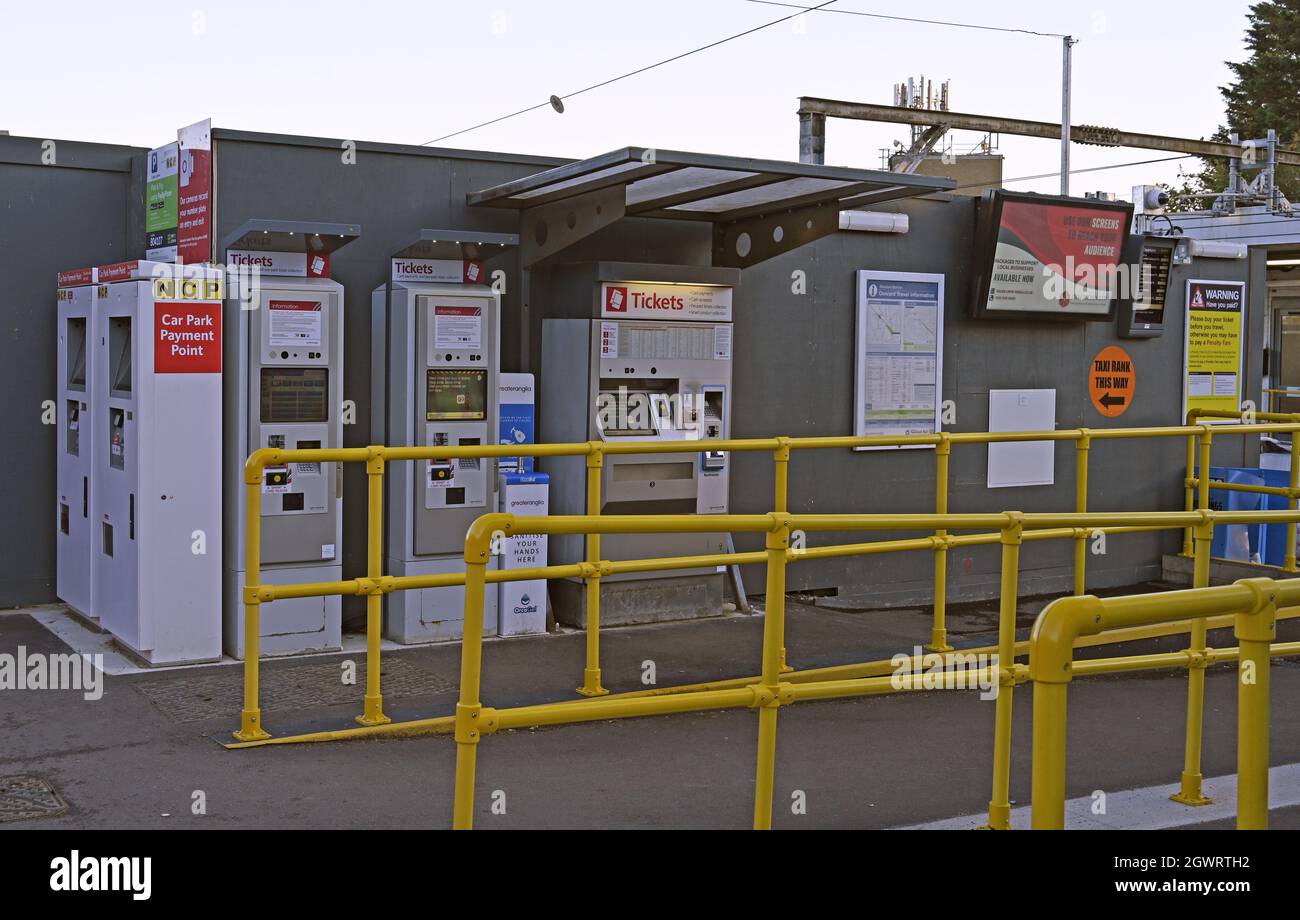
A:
{"x": 1264, "y": 93}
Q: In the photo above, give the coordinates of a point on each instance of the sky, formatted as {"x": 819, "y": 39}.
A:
{"x": 408, "y": 72}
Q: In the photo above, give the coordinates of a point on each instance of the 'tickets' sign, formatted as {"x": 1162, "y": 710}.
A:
{"x": 1214, "y": 345}
{"x": 281, "y": 264}
{"x": 632, "y": 300}
{"x": 187, "y": 338}
{"x": 442, "y": 271}
{"x": 194, "y": 203}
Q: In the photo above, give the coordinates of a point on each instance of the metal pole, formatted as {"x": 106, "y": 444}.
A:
{"x": 373, "y": 714}
{"x": 1255, "y": 632}
{"x": 939, "y": 628}
{"x": 1081, "y": 505}
{"x": 1066, "y": 44}
{"x": 778, "y": 542}
{"x": 1000, "y": 802}
{"x": 812, "y": 138}
{"x": 591, "y": 685}
{"x": 1189, "y": 792}
{"x": 250, "y": 718}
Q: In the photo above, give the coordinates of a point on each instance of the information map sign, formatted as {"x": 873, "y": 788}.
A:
{"x": 899, "y": 359}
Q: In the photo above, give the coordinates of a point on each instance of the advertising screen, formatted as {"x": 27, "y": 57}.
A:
{"x": 1046, "y": 257}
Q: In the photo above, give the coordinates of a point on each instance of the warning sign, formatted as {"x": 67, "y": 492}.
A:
{"x": 1111, "y": 381}
{"x": 1214, "y": 345}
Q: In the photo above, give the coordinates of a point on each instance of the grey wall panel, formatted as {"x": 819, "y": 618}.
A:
{"x": 69, "y": 214}
{"x": 794, "y": 365}
{"x": 392, "y": 192}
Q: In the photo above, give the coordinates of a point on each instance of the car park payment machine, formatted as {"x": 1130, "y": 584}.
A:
{"x": 284, "y": 388}
{"x": 646, "y": 356}
{"x": 435, "y": 335}
{"x": 76, "y": 443}
{"x": 155, "y": 489}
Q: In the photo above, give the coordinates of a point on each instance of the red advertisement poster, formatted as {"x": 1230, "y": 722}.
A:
{"x": 194, "y": 201}
{"x": 1056, "y": 258}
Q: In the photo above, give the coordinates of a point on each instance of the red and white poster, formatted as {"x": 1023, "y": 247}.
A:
{"x": 1056, "y": 258}
{"x": 187, "y": 338}
{"x": 194, "y": 202}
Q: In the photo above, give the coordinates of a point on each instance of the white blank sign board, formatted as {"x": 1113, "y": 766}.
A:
{"x": 1022, "y": 463}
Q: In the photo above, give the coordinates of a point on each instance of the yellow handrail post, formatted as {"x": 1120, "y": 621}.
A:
{"x": 1082, "y": 447}
{"x": 939, "y": 629}
{"x": 250, "y": 717}
{"x": 471, "y": 719}
{"x": 1000, "y": 803}
{"x": 767, "y": 695}
{"x": 1051, "y": 656}
{"x": 1189, "y": 792}
{"x": 1255, "y": 631}
{"x": 373, "y": 713}
{"x": 781, "y": 504}
{"x": 591, "y": 673}
{"x": 1189, "y": 489}
{"x": 1293, "y": 504}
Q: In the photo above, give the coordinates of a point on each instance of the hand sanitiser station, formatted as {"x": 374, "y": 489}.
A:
{"x": 76, "y": 441}
{"x": 155, "y": 489}
{"x": 284, "y": 388}
{"x": 435, "y": 335}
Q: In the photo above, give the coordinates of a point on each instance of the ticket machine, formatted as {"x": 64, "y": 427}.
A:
{"x": 638, "y": 352}
{"x": 76, "y": 443}
{"x": 435, "y": 334}
{"x": 155, "y": 488}
{"x": 284, "y": 388}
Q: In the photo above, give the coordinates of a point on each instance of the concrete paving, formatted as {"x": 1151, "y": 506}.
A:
{"x": 149, "y": 751}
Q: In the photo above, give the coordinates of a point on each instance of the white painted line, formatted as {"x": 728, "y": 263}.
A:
{"x": 1147, "y": 809}
{"x": 85, "y": 641}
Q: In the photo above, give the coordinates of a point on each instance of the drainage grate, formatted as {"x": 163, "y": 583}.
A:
{"x": 214, "y": 693}
{"x": 25, "y": 797}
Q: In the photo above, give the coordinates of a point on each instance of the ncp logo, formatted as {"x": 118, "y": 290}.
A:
{"x": 615, "y": 300}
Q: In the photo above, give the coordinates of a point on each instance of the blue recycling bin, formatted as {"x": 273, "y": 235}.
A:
{"x": 1222, "y": 499}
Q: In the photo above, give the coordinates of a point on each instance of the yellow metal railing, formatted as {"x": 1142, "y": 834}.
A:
{"x": 769, "y": 692}
{"x": 1254, "y": 602}
{"x": 1275, "y": 395}
{"x": 1083, "y": 527}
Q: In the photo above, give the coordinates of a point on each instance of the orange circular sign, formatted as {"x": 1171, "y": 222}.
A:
{"x": 1111, "y": 381}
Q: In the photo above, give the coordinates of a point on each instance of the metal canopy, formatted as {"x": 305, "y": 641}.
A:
{"x": 291, "y": 236}
{"x": 758, "y": 208}
{"x": 456, "y": 244}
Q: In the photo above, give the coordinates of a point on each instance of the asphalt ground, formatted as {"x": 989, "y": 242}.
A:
{"x": 149, "y": 753}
